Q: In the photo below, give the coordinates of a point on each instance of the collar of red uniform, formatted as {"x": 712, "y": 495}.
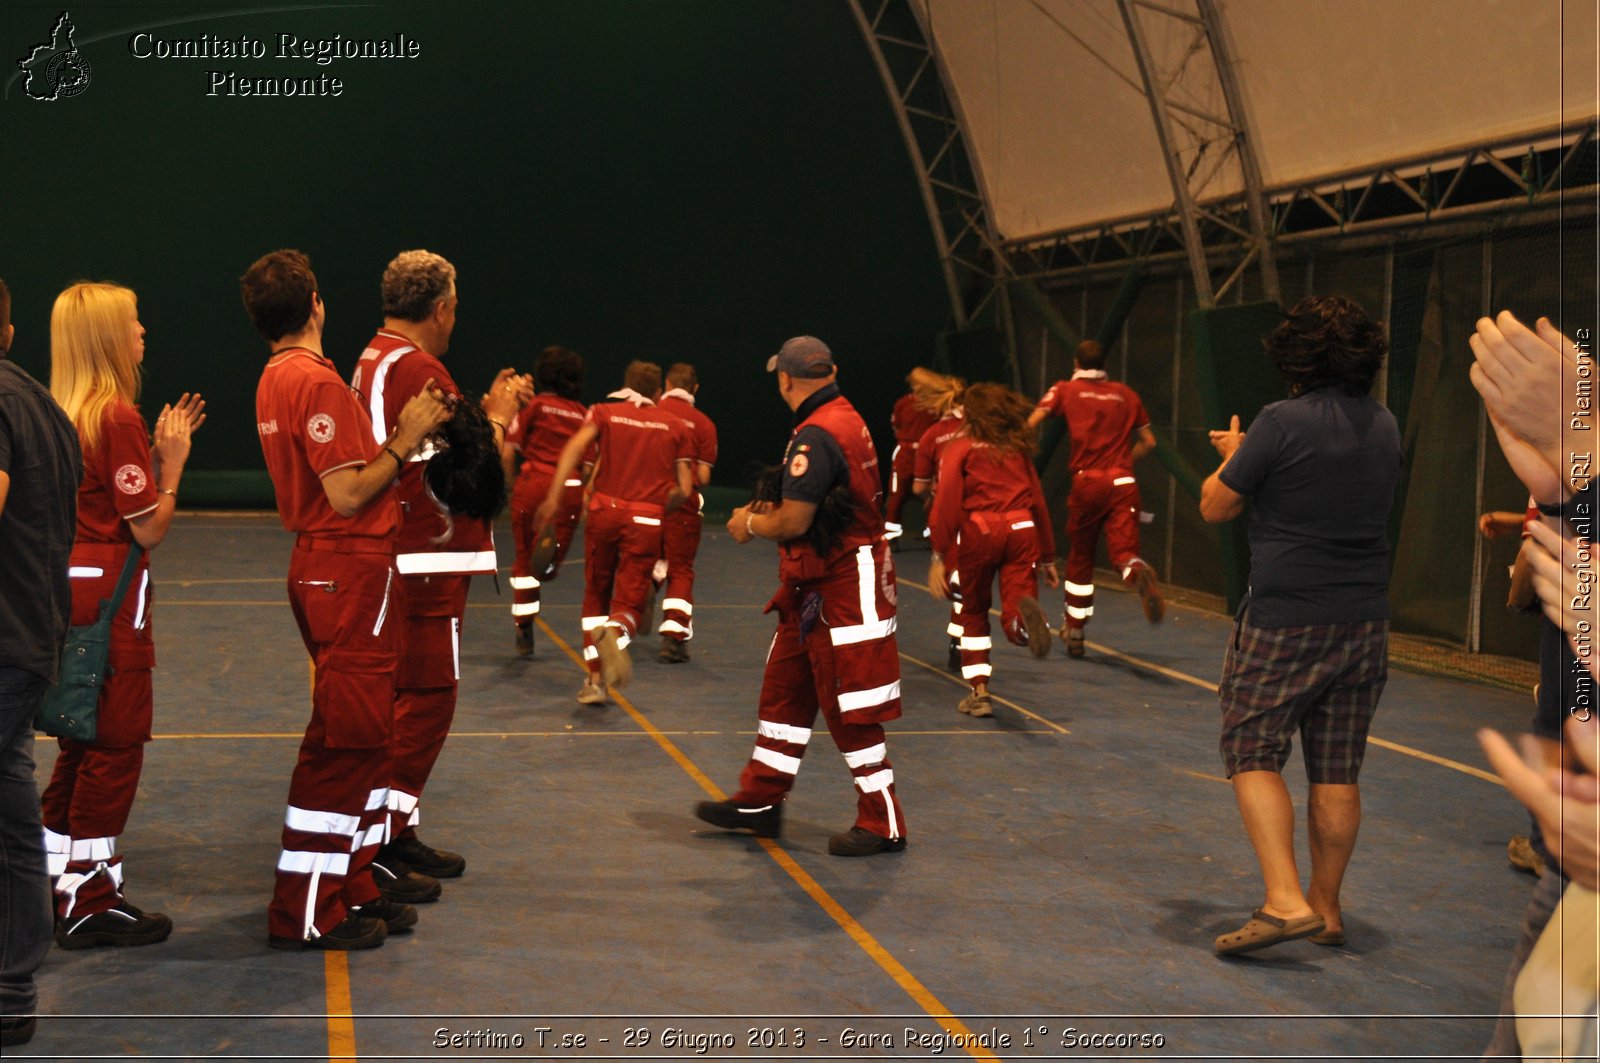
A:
{"x": 1088, "y": 374}
{"x": 630, "y": 395}
{"x": 679, "y": 393}
{"x": 808, "y": 407}
{"x": 297, "y": 352}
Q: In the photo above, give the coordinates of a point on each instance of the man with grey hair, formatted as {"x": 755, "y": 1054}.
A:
{"x": 835, "y": 649}
{"x": 437, "y": 556}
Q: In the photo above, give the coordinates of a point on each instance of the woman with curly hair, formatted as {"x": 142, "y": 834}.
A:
{"x": 128, "y": 495}
{"x": 536, "y": 438}
{"x": 1309, "y": 650}
{"x": 989, "y": 519}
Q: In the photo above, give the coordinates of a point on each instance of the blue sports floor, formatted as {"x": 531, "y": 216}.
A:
{"x": 1070, "y": 859}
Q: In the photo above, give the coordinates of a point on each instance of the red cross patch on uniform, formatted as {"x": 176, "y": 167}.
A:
{"x": 798, "y": 465}
{"x": 130, "y": 479}
{"x": 320, "y": 427}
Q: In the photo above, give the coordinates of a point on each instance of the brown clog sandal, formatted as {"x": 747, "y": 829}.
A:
{"x": 1263, "y": 931}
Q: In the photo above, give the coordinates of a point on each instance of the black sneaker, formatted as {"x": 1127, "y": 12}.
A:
{"x": 859, "y": 841}
{"x": 764, "y": 822}
{"x": 524, "y": 640}
{"x": 395, "y": 917}
{"x": 400, "y": 884}
{"x": 356, "y": 932}
{"x": 423, "y": 858}
{"x": 673, "y": 651}
{"x": 17, "y": 1029}
{"x": 123, "y": 925}
{"x": 953, "y": 661}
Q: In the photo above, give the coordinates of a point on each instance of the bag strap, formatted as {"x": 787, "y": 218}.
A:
{"x": 128, "y": 568}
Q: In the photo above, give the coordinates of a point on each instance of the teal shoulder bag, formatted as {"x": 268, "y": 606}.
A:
{"x": 71, "y": 707}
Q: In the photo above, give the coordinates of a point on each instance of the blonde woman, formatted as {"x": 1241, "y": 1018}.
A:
{"x": 128, "y": 494}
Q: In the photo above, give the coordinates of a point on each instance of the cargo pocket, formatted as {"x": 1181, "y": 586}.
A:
{"x": 355, "y": 698}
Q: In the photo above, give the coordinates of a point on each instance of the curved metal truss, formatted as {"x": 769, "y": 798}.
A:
{"x": 1526, "y": 175}
{"x": 929, "y": 114}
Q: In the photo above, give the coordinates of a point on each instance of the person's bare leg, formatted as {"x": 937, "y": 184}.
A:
{"x": 1268, "y": 815}
{"x": 1332, "y": 820}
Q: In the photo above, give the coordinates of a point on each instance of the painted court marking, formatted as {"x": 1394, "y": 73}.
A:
{"x": 848, "y": 923}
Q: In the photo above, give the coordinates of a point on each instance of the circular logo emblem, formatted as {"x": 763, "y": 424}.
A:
{"x": 68, "y": 74}
{"x": 798, "y": 465}
{"x": 130, "y": 479}
{"x": 320, "y": 427}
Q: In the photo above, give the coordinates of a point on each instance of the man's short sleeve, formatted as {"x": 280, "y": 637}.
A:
{"x": 335, "y": 431}
{"x": 5, "y": 438}
{"x": 814, "y": 464}
{"x": 706, "y": 441}
{"x": 127, "y": 465}
{"x": 1052, "y": 401}
{"x": 1141, "y": 417}
{"x": 1256, "y": 457}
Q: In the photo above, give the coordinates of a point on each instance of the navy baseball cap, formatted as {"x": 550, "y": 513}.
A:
{"x": 803, "y": 356}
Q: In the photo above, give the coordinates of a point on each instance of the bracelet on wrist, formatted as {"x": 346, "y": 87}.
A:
{"x": 749, "y": 520}
{"x": 168, "y": 491}
{"x": 398, "y": 460}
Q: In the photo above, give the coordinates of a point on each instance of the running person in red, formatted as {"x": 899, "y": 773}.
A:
{"x": 537, "y": 437}
{"x": 642, "y": 473}
{"x": 333, "y": 490}
{"x": 437, "y": 555}
{"x": 127, "y": 495}
{"x": 834, "y": 650}
{"x": 909, "y": 420}
{"x": 680, "y": 530}
{"x": 989, "y": 518}
{"x": 941, "y": 396}
{"x": 1109, "y": 431}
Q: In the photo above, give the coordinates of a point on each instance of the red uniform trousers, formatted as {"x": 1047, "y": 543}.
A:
{"x": 842, "y": 659}
{"x": 345, "y": 597}
{"x": 86, "y": 804}
{"x": 1006, "y": 544}
{"x": 1099, "y": 499}
{"x": 526, "y": 495}
{"x": 620, "y": 548}
{"x": 902, "y": 468}
{"x": 426, "y": 682}
{"x": 680, "y": 541}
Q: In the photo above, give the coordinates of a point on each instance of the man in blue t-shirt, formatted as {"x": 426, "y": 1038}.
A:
{"x": 1309, "y": 651}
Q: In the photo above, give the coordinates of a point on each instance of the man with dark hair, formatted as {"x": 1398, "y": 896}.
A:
{"x": 438, "y": 554}
{"x": 332, "y": 484}
{"x": 536, "y": 437}
{"x": 642, "y": 473}
{"x": 40, "y": 466}
{"x": 1309, "y": 650}
{"x": 835, "y": 649}
{"x": 680, "y": 530}
{"x": 1109, "y": 432}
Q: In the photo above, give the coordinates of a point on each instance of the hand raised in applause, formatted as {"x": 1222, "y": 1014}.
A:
{"x": 1565, "y": 803}
{"x": 174, "y": 425}
{"x": 427, "y": 410}
{"x": 1527, "y": 380}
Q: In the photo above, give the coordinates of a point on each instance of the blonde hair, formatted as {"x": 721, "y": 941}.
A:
{"x": 91, "y": 354}
{"x": 935, "y": 392}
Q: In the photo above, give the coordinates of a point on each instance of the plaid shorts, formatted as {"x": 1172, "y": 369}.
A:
{"x": 1322, "y": 680}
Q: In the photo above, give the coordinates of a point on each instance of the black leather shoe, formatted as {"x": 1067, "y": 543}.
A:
{"x": 858, "y": 841}
{"x": 524, "y": 640}
{"x": 395, "y": 917}
{"x": 953, "y": 660}
{"x": 356, "y": 932}
{"x": 423, "y": 858}
{"x": 17, "y": 1029}
{"x": 673, "y": 651}
{"x": 402, "y": 885}
{"x": 123, "y": 925}
{"x": 763, "y": 822}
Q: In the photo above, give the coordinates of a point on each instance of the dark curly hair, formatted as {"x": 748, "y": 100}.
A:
{"x": 1328, "y": 339}
{"x": 833, "y": 512}
{"x": 465, "y": 476}
{"x": 999, "y": 416}
{"x": 559, "y": 371}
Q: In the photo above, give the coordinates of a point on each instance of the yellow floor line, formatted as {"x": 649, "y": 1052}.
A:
{"x": 341, "y": 1016}
{"x": 858, "y": 933}
{"x": 943, "y": 674}
{"x": 1184, "y": 677}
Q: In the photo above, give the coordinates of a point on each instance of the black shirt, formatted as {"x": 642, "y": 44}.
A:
{"x": 39, "y": 453}
{"x": 814, "y": 462}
